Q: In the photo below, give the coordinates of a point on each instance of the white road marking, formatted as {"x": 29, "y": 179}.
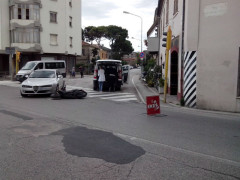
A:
{"x": 116, "y": 97}
{"x": 139, "y": 94}
{"x": 128, "y": 99}
{"x": 103, "y": 95}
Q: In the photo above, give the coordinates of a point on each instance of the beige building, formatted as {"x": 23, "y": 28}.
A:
{"x": 41, "y": 30}
{"x": 205, "y": 50}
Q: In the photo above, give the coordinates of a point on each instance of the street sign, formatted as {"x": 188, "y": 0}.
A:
{"x": 142, "y": 55}
{"x": 10, "y": 50}
{"x": 153, "y": 105}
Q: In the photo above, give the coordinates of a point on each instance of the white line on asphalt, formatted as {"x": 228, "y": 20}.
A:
{"x": 116, "y": 97}
{"x": 139, "y": 94}
{"x": 102, "y": 95}
{"x": 128, "y": 99}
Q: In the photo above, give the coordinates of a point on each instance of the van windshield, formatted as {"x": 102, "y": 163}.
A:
{"x": 29, "y": 65}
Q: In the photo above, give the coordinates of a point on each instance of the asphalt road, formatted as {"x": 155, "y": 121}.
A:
{"x": 96, "y": 138}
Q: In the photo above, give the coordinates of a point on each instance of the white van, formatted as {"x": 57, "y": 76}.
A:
{"x": 33, "y": 65}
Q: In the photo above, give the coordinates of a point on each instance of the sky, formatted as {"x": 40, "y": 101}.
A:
{"x": 110, "y": 12}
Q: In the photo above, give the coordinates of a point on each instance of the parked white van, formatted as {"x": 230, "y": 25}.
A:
{"x": 34, "y": 65}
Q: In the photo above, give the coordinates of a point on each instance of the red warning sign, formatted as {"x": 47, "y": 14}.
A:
{"x": 153, "y": 105}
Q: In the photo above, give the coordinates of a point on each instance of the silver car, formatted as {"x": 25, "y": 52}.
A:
{"x": 42, "y": 82}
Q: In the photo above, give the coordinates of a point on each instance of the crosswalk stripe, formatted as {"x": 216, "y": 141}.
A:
{"x": 103, "y": 95}
{"x": 127, "y": 99}
{"x": 116, "y": 97}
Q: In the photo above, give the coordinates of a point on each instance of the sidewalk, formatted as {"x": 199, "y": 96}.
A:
{"x": 170, "y": 99}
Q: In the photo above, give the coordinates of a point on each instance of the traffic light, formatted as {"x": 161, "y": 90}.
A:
{"x": 167, "y": 39}
{"x": 164, "y": 39}
{"x": 18, "y": 56}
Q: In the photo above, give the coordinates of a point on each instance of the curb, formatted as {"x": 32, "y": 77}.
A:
{"x": 193, "y": 109}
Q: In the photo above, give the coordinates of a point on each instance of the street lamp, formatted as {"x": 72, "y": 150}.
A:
{"x": 141, "y": 24}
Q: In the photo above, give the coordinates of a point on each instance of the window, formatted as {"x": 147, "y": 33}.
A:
{"x": 70, "y": 3}
{"x": 27, "y": 12}
{"x": 83, "y": 52}
{"x": 12, "y": 12}
{"x": 35, "y": 15}
{"x": 53, "y": 39}
{"x": 25, "y": 35}
{"x": 19, "y": 12}
{"x": 53, "y": 17}
{"x": 39, "y": 66}
{"x": 70, "y": 41}
{"x": 54, "y": 65}
{"x": 175, "y": 9}
{"x": 167, "y": 12}
{"x": 70, "y": 21}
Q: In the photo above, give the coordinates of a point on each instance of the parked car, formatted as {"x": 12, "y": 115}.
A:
{"x": 34, "y": 65}
{"x": 113, "y": 74}
{"x": 42, "y": 82}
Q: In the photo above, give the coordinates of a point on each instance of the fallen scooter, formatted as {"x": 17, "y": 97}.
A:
{"x": 72, "y": 94}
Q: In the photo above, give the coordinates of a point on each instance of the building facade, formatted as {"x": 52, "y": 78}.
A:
{"x": 131, "y": 59}
{"x": 204, "y": 60}
{"x": 41, "y": 30}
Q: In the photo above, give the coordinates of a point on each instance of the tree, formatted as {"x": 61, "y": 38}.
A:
{"x": 95, "y": 52}
{"x": 92, "y": 33}
{"x": 99, "y": 33}
{"x": 83, "y": 37}
{"x": 114, "y": 32}
{"x": 88, "y": 34}
{"x": 120, "y": 47}
{"x": 116, "y": 35}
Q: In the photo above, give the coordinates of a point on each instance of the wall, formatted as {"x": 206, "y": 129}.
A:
{"x": 61, "y": 28}
{"x": 4, "y": 25}
{"x": 218, "y": 53}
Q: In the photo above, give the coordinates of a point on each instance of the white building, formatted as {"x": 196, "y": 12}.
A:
{"x": 41, "y": 29}
{"x": 205, "y": 53}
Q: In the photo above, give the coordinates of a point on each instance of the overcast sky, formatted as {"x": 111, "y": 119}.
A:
{"x": 110, "y": 12}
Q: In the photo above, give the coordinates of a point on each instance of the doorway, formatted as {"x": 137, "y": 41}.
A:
{"x": 174, "y": 74}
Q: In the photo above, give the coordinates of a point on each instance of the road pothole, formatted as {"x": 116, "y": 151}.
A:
{"x": 83, "y": 142}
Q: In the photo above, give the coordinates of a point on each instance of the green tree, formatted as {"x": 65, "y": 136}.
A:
{"x": 120, "y": 47}
{"x": 116, "y": 35}
{"x": 88, "y": 33}
{"x": 98, "y": 33}
{"x": 114, "y": 32}
{"x": 83, "y": 37}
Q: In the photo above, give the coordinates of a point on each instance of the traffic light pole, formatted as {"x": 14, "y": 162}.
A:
{"x": 17, "y": 61}
{"x": 166, "y": 76}
{"x": 168, "y": 47}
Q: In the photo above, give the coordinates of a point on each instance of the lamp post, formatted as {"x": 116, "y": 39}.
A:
{"x": 141, "y": 23}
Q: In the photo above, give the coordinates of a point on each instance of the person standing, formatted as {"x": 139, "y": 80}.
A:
{"x": 81, "y": 71}
{"x": 101, "y": 78}
{"x": 73, "y": 71}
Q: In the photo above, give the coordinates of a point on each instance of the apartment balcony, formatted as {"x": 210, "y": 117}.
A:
{"x": 28, "y": 47}
{"x": 153, "y": 45}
